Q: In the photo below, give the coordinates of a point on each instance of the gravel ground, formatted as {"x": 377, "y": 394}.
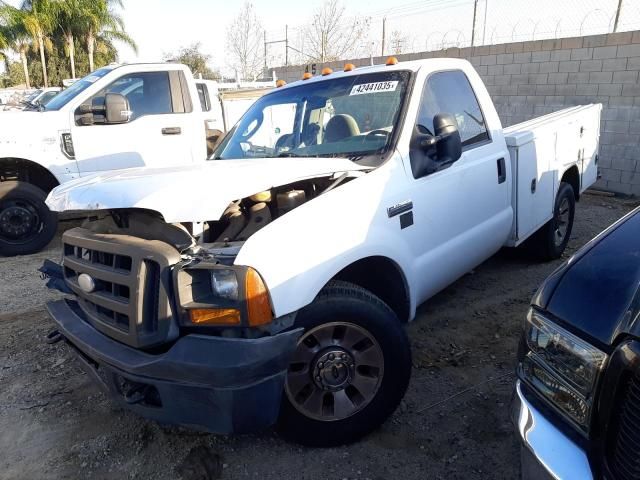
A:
{"x": 454, "y": 422}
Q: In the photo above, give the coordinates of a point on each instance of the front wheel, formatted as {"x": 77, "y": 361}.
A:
{"x": 350, "y": 370}
{"x": 26, "y": 224}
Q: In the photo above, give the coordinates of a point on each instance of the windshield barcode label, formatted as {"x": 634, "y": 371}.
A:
{"x": 374, "y": 87}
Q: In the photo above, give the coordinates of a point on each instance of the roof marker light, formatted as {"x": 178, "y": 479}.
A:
{"x": 280, "y": 83}
{"x": 306, "y": 76}
{"x": 349, "y": 66}
{"x": 326, "y": 71}
{"x": 392, "y": 61}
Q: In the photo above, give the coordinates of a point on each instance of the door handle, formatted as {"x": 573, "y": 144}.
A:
{"x": 171, "y": 131}
{"x": 502, "y": 171}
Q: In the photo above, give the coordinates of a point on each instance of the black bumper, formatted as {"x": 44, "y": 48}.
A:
{"x": 220, "y": 385}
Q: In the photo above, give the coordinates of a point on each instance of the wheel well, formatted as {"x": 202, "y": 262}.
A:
{"x": 12, "y": 169}
{"x": 572, "y": 177}
{"x": 382, "y": 277}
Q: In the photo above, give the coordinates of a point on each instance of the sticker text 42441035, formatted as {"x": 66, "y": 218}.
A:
{"x": 374, "y": 87}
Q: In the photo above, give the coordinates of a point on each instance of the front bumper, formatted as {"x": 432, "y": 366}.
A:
{"x": 546, "y": 452}
{"x": 215, "y": 384}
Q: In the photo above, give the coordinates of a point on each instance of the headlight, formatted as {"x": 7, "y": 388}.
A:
{"x": 561, "y": 367}
{"x": 224, "y": 283}
{"x": 215, "y": 295}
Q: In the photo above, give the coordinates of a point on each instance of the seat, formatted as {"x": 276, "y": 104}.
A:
{"x": 340, "y": 127}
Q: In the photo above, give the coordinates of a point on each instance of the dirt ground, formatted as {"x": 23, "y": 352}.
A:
{"x": 453, "y": 423}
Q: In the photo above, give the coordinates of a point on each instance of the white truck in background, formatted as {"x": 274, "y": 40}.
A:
{"x": 119, "y": 116}
{"x": 272, "y": 283}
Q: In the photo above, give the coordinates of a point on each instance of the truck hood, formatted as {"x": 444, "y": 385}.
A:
{"x": 597, "y": 291}
{"x": 192, "y": 193}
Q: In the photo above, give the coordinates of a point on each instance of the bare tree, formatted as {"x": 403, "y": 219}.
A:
{"x": 244, "y": 41}
{"x": 332, "y": 35}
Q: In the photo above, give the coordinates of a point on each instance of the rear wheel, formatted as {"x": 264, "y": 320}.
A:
{"x": 550, "y": 241}
{"x": 26, "y": 224}
{"x": 350, "y": 370}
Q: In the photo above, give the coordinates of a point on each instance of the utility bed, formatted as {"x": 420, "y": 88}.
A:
{"x": 540, "y": 149}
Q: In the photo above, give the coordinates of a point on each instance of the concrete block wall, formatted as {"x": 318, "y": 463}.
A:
{"x": 528, "y": 79}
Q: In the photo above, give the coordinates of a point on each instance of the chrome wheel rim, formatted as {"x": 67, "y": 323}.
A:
{"x": 335, "y": 371}
{"x": 562, "y": 222}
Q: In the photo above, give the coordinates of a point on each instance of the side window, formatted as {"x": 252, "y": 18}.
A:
{"x": 450, "y": 92}
{"x": 203, "y": 95}
{"x": 148, "y": 93}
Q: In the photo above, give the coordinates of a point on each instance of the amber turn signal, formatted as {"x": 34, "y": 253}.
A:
{"x": 280, "y": 83}
{"x": 215, "y": 316}
{"x": 348, "y": 67}
{"x": 326, "y": 71}
{"x": 258, "y": 305}
{"x": 306, "y": 76}
{"x": 392, "y": 61}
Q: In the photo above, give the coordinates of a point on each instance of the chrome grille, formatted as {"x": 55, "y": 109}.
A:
{"x": 130, "y": 302}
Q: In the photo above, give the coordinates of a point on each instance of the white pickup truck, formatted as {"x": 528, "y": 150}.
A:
{"x": 272, "y": 284}
{"x": 120, "y": 116}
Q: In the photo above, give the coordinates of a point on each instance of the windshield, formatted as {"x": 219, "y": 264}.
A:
{"x": 350, "y": 116}
{"x": 64, "y": 97}
{"x": 33, "y": 96}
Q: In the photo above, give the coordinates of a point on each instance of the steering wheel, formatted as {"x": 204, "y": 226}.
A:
{"x": 377, "y": 133}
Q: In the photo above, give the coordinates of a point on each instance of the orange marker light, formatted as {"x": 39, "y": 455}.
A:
{"x": 349, "y": 66}
{"x": 258, "y": 306}
{"x": 280, "y": 83}
{"x": 326, "y": 71}
{"x": 392, "y": 61}
{"x": 306, "y": 76}
{"x": 215, "y": 316}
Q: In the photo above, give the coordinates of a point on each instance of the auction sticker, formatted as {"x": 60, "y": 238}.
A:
{"x": 374, "y": 87}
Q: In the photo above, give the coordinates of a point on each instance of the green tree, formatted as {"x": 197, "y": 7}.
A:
{"x": 17, "y": 38}
{"x": 40, "y": 21}
{"x": 195, "y": 60}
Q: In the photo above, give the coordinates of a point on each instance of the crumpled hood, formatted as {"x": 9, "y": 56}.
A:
{"x": 189, "y": 193}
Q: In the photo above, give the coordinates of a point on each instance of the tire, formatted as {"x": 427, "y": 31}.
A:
{"x": 26, "y": 224}
{"x": 344, "y": 311}
{"x": 549, "y": 242}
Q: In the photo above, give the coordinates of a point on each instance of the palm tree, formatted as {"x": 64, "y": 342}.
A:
{"x": 39, "y": 20}
{"x": 14, "y": 35}
{"x": 72, "y": 19}
{"x": 105, "y": 25}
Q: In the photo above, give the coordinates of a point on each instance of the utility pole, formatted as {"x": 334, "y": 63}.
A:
{"x": 265, "y": 49}
{"x": 286, "y": 45}
{"x": 615, "y": 23}
{"x": 384, "y": 28}
{"x": 484, "y": 25}
{"x": 473, "y": 27}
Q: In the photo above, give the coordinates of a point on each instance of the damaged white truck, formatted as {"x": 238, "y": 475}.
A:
{"x": 271, "y": 284}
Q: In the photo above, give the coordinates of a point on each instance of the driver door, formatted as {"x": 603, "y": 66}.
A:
{"x": 158, "y": 133}
{"x": 463, "y": 212}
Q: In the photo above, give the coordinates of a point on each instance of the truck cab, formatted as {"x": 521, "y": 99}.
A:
{"x": 329, "y": 212}
{"x": 161, "y": 122}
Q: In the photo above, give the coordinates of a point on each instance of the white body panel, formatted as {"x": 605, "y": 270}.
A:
{"x": 36, "y": 136}
{"x": 461, "y": 215}
{"x": 541, "y": 150}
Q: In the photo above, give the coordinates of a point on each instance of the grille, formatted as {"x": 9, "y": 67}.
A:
{"x": 625, "y": 455}
{"x": 129, "y": 302}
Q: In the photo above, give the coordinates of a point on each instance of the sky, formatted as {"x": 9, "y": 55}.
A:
{"x": 163, "y": 26}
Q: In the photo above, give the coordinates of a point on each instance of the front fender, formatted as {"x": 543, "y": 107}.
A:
{"x": 299, "y": 253}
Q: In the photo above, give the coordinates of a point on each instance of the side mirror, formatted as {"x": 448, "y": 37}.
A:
{"x": 431, "y": 153}
{"x": 116, "y": 108}
{"x": 449, "y": 144}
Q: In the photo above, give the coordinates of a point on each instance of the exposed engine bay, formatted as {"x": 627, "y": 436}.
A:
{"x": 224, "y": 237}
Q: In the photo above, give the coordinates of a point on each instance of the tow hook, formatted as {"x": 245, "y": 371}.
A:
{"x": 54, "y": 336}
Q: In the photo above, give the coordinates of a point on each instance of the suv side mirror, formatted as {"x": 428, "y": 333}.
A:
{"x": 116, "y": 108}
{"x": 431, "y": 153}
